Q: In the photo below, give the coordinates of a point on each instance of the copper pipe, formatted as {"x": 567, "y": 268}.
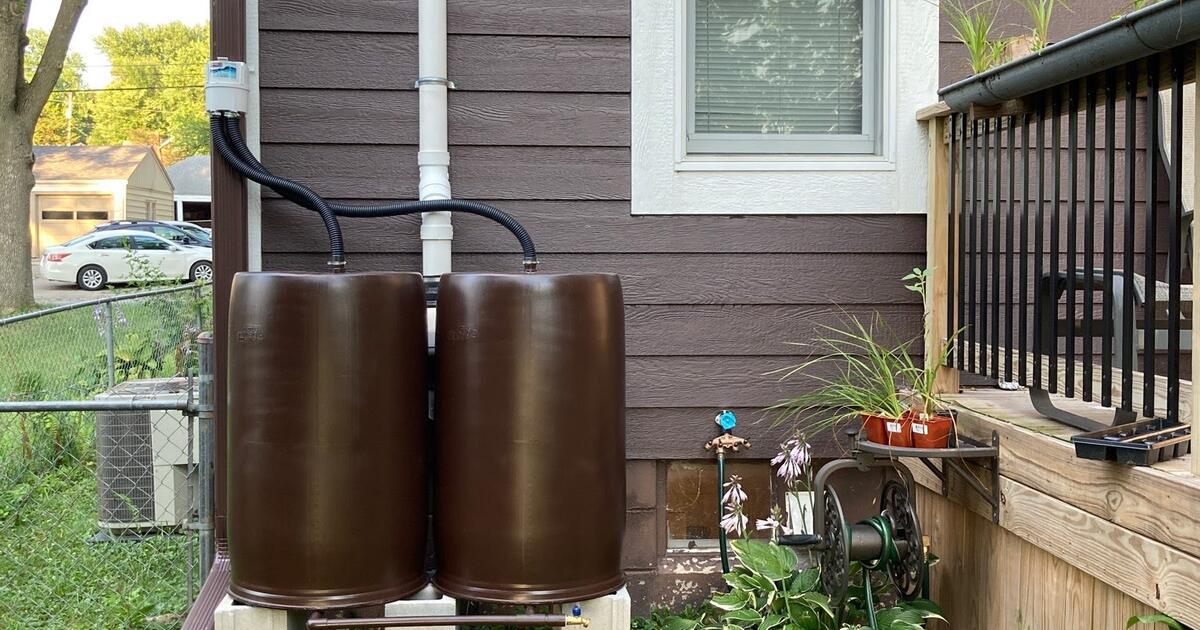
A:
{"x": 557, "y": 621}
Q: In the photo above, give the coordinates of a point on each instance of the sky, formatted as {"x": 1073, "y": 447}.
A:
{"x": 116, "y": 13}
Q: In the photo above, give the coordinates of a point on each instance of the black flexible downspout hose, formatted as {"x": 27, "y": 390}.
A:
{"x": 218, "y": 124}
{"x": 529, "y": 252}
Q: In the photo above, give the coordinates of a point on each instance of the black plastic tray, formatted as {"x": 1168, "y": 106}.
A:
{"x": 1139, "y": 443}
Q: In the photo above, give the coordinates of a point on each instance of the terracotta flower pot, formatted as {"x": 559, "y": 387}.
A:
{"x": 888, "y": 431}
{"x": 899, "y": 432}
{"x": 874, "y": 427}
{"x": 932, "y": 431}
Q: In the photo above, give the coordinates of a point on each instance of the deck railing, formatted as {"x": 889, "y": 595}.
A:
{"x": 1059, "y": 234}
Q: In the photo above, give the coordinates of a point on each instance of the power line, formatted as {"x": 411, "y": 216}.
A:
{"x": 129, "y": 89}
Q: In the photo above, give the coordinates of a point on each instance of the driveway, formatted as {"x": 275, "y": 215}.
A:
{"x": 55, "y": 293}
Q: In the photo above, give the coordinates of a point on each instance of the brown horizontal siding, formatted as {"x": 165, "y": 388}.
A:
{"x": 838, "y": 279}
{"x": 540, "y": 126}
{"x": 476, "y": 172}
{"x": 476, "y": 118}
{"x": 759, "y": 330}
{"x": 374, "y": 61}
{"x": 680, "y": 433}
{"x": 607, "y": 227}
{"x": 490, "y": 17}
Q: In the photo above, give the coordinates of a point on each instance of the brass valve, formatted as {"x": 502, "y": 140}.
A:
{"x": 727, "y": 441}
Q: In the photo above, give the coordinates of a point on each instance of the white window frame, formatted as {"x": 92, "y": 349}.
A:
{"x": 666, "y": 180}
{"x": 864, "y": 143}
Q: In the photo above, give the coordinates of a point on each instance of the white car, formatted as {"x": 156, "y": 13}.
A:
{"x": 94, "y": 260}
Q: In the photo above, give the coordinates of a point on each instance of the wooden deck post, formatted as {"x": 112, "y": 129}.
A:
{"x": 1195, "y": 392}
{"x": 937, "y": 233}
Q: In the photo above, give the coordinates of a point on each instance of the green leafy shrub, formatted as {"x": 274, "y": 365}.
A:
{"x": 769, "y": 592}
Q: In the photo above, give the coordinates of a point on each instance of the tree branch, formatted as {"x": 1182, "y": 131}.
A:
{"x": 33, "y": 98}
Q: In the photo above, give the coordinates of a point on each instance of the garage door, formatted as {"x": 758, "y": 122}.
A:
{"x": 63, "y": 217}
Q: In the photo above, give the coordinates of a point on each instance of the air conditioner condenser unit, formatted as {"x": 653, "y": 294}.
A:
{"x": 145, "y": 461}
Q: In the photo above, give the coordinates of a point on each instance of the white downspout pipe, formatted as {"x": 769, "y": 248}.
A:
{"x": 433, "y": 156}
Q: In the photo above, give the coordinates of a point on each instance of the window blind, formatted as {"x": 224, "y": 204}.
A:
{"x": 778, "y": 67}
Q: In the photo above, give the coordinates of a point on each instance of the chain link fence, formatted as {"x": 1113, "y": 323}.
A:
{"x": 97, "y": 508}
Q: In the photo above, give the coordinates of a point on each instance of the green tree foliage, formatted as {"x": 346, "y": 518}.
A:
{"x": 53, "y": 126}
{"x": 168, "y": 60}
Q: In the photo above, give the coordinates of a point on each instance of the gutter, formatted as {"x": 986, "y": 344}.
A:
{"x": 1154, "y": 29}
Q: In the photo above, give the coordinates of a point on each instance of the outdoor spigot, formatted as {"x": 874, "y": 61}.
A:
{"x": 727, "y": 440}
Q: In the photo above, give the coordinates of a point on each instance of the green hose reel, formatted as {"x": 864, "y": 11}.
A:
{"x": 889, "y": 542}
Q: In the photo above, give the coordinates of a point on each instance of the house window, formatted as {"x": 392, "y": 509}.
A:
{"x": 790, "y": 77}
{"x": 742, "y": 107}
{"x": 692, "y": 521}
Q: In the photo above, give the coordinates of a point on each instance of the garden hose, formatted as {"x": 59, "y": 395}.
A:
{"x": 888, "y": 553}
{"x": 722, "y": 537}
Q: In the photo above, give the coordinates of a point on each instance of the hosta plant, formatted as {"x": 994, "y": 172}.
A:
{"x": 769, "y": 592}
{"x": 766, "y": 592}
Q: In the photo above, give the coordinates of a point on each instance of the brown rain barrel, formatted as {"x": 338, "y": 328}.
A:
{"x": 530, "y": 435}
{"x": 327, "y": 416}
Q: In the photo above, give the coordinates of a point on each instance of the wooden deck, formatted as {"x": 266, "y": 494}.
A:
{"x": 1133, "y": 531}
{"x": 1014, "y": 408}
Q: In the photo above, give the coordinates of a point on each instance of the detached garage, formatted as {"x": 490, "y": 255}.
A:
{"x": 78, "y": 188}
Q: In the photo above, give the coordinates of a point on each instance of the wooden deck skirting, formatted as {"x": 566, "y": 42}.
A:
{"x": 1132, "y": 528}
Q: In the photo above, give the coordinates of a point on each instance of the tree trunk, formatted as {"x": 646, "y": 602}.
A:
{"x": 16, "y": 182}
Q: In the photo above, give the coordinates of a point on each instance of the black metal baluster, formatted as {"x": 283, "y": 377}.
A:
{"x": 950, "y": 240}
{"x": 1110, "y": 151}
{"x": 1072, "y": 229}
{"x": 1023, "y": 286}
{"x": 1039, "y": 228}
{"x": 1150, "y": 307}
{"x": 1055, "y": 221}
{"x": 972, "y": 258}
{"x": 996, "y": 214}
{"x": 1089, "y": 233}
{"x": 1127, "y": 345}
{"x": 1009, "y": 252}
{"x": 1175, "y": 256}
{"x": 983, "y": 249}
{"x": 962, "y": 249}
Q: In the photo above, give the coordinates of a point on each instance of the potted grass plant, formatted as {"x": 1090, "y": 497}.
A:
{"x": 931, "y": 423}
{"x": 975, "y": 26}
{"x": 855, "y": 375}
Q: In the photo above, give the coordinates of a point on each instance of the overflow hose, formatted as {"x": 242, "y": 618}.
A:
{"x": 529, "y": 252}
{"x": 292, "y": 190}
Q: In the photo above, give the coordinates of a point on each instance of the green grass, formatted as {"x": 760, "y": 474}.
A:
{"x": 52, "y": 577}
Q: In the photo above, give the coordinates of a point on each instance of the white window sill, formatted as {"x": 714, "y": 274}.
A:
{"x": 776, "y": 163}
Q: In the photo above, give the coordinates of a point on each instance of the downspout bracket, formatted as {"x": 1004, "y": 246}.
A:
{"x": 434, "y": 81}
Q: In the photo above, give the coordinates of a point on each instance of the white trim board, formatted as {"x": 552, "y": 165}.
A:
{"x": 254, "y": 141}
{"x": 666, "y": 181}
